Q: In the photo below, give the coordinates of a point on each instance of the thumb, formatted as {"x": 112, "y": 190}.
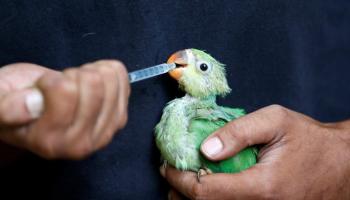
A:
{"x": 20, "y": 106}
{"x": 259, "y": 127}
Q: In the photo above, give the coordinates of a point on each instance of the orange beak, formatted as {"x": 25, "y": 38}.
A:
{"x": 179, "y": 58}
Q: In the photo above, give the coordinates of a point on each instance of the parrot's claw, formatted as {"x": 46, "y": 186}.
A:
{"x": 165, "y": 164}
{"x": 201, "y": 172}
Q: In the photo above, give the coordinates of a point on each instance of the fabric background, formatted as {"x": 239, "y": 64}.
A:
{"x": 293, "y": 53}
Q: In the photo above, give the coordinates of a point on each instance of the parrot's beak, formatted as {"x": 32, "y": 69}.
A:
{"x": 180, "y": 59}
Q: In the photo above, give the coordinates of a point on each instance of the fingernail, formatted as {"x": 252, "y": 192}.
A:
{"x": 34, "y": 103}
{"x": 212, "y": 146}
{"x": 162, "y": 170}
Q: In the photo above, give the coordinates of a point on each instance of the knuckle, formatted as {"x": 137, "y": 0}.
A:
{"x": 270, "y": 194}
{"x": 198, "y": 192}
{"x": 116, "y": 64}
{"x": 64, "y": 87}
{"x": 119, "y": 72}
{"x": 80, "y": 151}
{"x": 119, "y": 67}
{"x": 278, "y": 110}
{"x": 70, "y": 71}
{"x": 279, "y": 113}
{"x": 232, "y": 134}
{"x": 107, "y": 138}
{"x": 87, "y": 65}
{"x": 127, "y": 90}
{"x": 4, "y": 118}
{"x": 46, "y": 148}
{"x": 270, "y": 190}
{"x": 107, "y": 70}
{"x": 123, "y": 120}
{"x": 92, "y": 78}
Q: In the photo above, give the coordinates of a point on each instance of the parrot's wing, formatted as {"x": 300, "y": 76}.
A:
{"x": 233, "y": 113}
{"x": 209, "y": 120}
{"x": 224, "y": 113}
{"x": 171, "y": 135}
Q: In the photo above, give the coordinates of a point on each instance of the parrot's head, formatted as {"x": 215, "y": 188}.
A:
{"x": 199, "y": 74}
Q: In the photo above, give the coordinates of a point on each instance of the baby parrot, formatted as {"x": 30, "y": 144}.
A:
{"x": 186, "y": 122}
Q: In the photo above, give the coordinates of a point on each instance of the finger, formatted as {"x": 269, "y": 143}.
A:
{"x": 174, "y": 195}
{"x": 248, "y": 184}
{"x": 60, "y": 94}
{"x": 262, "y": 126}
{"x": 22, "y": 75}
{"x": 182, "y": 181}
{"x": 91, "y": 92}
{"x": 19, "y": 101}
{"x": 119, "y": 112}
{"x": 124, "y": 93}
{"x": 45, "y": 135}
{"x": 110, "y": 83}
{"x": 113, "y": 73}
{"x": 20, "y": 107}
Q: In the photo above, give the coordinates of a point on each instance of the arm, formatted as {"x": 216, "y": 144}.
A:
{"x": 301, "y": 159}
{"x": 84, "y": 107}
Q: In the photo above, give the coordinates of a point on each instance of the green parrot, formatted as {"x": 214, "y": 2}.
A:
{"x": 186, "y": 122}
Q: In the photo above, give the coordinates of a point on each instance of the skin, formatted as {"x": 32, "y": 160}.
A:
{"x": 300, "y": 158}
{"x": 84, "y": 107}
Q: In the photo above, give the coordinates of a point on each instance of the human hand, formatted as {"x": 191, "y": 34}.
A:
{"x": 301, "y": 159}
{"x": 84, "y": 107}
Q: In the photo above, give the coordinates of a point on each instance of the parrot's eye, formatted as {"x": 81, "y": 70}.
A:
{"x": 204, "y": 66}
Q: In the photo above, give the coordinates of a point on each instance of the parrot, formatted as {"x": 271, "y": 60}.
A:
{"x": 187, "y": 121}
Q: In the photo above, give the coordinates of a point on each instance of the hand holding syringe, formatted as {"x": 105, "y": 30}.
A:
{"x": 37, "y": 108}
{"x": 68, "y": 114}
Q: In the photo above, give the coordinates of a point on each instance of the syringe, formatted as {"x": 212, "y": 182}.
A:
{"x": 150, "y": 72}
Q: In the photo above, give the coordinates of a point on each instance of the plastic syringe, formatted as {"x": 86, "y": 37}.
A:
{"x": 150, "y": 72}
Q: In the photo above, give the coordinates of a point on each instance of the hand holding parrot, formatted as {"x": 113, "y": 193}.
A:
{"x": 301, "y": 158}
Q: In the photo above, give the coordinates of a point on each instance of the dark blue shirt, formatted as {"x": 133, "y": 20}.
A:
{"x": 293, "y": 53}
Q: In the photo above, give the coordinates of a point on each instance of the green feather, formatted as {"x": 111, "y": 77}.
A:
{"x": 186, "y": 122}
{"x": 202, "y": 128}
